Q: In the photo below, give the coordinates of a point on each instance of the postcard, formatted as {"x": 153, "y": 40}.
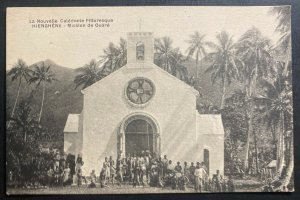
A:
{"x": 185, "y": 99}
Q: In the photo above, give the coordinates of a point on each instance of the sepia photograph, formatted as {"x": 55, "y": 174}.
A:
{"x": 144, "y": 99}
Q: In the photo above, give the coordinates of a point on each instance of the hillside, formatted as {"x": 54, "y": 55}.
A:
{"x": 61, "y": 98}
{"x": 209, "y": 92}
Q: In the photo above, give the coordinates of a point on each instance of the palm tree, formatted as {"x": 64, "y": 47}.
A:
{"x": 42, "y": 75}
{"x": 168, "y": 58}
{"x": 254, "y": 50}
{"x": 114, "y": 56}
{"x": 19, "y": 72}
{"x": 24, "y": 119}
{"x": 122, "y": 58}
{"x": 164, "y": 52}
{"x": 290, "y": 168}
{"x": 88, "y": 74}
{"x": 224, "y": 62}
{"x": 276, "y": 95}
{"x": 283, "y": 14}
{"x": 178, "y": 69}
{"x": 197, "y": 48}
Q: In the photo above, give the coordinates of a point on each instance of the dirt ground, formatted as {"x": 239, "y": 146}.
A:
{"x": 84, "y": 190}
{"x": 248, "y": 185}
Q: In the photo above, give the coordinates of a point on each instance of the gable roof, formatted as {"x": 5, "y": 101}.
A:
{"x": 176, "y": 79}
{"x": 72, "y": 124}
{"x": 146, "y": 66}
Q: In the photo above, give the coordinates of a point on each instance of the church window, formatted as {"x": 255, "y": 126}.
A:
{"x": 140, "y": 51}
{"x": 140, "y": 90}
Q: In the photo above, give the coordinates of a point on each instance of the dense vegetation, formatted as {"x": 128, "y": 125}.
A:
{"x": 249, "y": 85}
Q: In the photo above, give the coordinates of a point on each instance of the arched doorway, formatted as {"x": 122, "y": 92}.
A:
{"x": 139, "y": 132}
{"x": 139, "y": 137}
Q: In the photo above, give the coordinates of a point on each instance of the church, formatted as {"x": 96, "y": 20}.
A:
{"x": 142, "y": 107}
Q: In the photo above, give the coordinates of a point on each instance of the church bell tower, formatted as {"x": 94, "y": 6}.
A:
{"x": 140, "y": 48}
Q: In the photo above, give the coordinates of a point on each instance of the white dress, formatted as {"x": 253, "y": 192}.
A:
{"x": 66, "y": 174}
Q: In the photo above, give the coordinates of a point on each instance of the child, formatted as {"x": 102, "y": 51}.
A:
{"x": 57, "y": 175}
{"x": 93, "y": 180}
{"x": 66, "y": 175}
{"x": 50, "y": 174}
{"x": 79, "y": 177}
{"x": 230, "y": 184}
{"x": 102, "y": 178}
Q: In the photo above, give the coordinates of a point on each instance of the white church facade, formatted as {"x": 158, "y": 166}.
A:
{"x": 142, "y": 107}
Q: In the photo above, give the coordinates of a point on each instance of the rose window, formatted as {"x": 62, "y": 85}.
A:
{"x": 140, "y": 90}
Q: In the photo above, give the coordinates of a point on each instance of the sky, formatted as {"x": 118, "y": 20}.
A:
{"x": 74, "y": 47}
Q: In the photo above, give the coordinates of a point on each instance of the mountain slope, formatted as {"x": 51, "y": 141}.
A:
{"x": 209, "y": 93}
{"x": 61, "y": 98}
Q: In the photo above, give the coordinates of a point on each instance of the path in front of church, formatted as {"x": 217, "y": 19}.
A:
{"x": 241, "y": 186}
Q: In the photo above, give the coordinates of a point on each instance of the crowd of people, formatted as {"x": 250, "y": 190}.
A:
{"x": 144, "y": 168}
{"x": 45, "y": 169}
{"x": 139, "y": 170}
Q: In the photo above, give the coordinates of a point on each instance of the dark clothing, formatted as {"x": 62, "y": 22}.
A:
{"x": 71, "y": 161}
{"x": 192, "y": 169}
{"x": 230, "y": 186}
{"x": 178, "y": 168}
{"x": 217, "y": 181}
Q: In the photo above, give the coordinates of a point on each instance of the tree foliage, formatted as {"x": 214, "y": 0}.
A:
{"x": 169, "y": 58}
{"x": 262, "y": 104}
{"x": 88, "y": 75}
{"x": 42, "y": 75}
{"x": 224, "y": 62}
{"x": 197, "y": 48}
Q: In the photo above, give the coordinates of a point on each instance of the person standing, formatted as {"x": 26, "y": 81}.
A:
{"x": 147, "y": 159}
{"x": 119, "y": 168}
{"x": 110, "y": 160}
{"x": 153, "y": 175}
{"x": 178, "y": 168}
{"x": 57, "y": 176}
{"x": 112, "y": 172}
{"x": 186, "y": 170}
{"x": 160, "y": 166}
{"x": 106, "y": 169}
{"x": 62, "y": 161}
{"x": 143, "y": 174}
{"x": 230, "y": 184}
{"x": 70, "y": 160}
{"x": 170, "y": 167}
{"x": 217, "y": 180}
{"x": 79, "y": 177}
{"x": 224, "y": 185}
{"x": 50, "y": 175}
{"x": 136, "y": 172}
{"x": 102, "y": 178}
{"x": 199, "y": 174}
{"x": 165, "y": 163}
{"x": 56, "y": 159}
{"x": 66, "y": 175}
{"x": 204, "y": 166}
{"x": 132, "y": 167}
{"x": 79, "y": 162}
{"x": 192, "y": 171}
